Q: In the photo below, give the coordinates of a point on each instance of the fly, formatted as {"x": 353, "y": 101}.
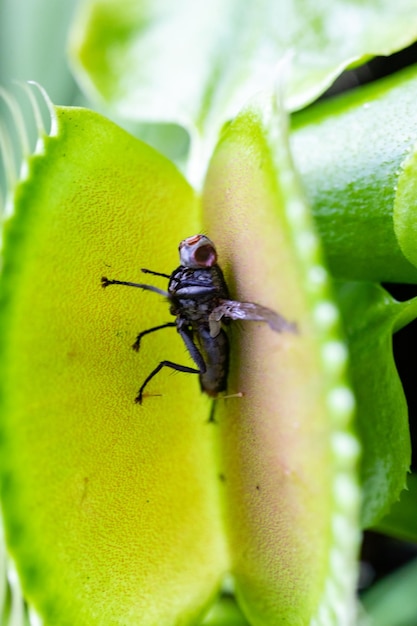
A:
{"x": 199, "y": 300}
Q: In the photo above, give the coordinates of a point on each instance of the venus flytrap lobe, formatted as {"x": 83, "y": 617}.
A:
{"x": 154, "y": 494}
{"x": 110, "y": 492}
{"x": 287, "y": 433}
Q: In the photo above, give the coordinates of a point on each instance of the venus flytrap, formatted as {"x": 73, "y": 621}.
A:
{"x": 136, "y": 490}
{"x": 135, "y": 514}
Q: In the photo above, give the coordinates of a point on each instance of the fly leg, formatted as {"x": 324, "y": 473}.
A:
{"x": 197, "y": 357}
{"x": 150, "y": 330}
{"x": 195, "y": 354}
{"x": 105, "y": 282}
{"x": 174, "y": 366}
{"x": 145, "y": 271}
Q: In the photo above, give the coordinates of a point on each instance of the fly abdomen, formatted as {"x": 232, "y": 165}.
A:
{"x": 216, "y": 353}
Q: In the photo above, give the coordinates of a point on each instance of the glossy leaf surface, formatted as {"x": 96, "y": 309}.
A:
{"x": 351, "y": 152}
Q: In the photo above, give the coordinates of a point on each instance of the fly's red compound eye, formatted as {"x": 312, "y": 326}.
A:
{"x": 197, "y": 251}
{"x": 205, "y": 256}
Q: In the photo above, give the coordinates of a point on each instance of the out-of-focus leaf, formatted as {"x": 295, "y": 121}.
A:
{"x": 32, "y": 45}
{"x": 197, "y": 63}
{"x": 350, "y": 152}
{"x": 392, "y": 602}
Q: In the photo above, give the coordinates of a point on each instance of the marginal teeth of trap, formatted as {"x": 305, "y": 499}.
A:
{"x": 15, "y": 129}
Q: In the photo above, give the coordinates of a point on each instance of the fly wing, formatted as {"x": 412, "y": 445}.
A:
{"x": 249, "y": 311}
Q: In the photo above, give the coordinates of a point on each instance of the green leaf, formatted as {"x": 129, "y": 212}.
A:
{"x": 111, "y": 509}
{"x": 287, "y": 449}
{"x": 401, "y": 520}
{"x": 197, "y": 63}
{"x": 371, "y": 316}
{"x": 351, "y": 153}
{"x": 405, "y": 205}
